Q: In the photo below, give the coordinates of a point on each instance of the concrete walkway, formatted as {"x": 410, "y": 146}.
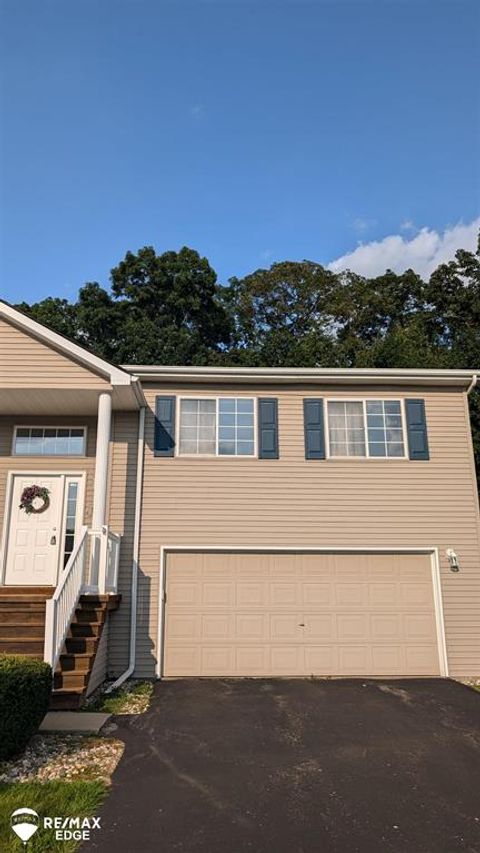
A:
{"x": 73, "y": 721}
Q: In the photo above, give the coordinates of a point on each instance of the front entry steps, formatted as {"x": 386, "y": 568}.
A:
{"x": 22, "y": 619}
{"x": 75, "y": 665}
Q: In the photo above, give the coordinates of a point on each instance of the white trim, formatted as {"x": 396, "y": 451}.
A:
{"x": 216, "y": 455}
{"x": 65, "y": 475}
{"x": 16, "y": 427}
{"x": 364, "y": 401}
{"x": 331, "y": 549}
{"x": 321, "y": 375}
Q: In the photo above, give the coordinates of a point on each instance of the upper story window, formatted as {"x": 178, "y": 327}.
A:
{"x": 223, "y": 426}
{"x": 49, "y": 441}
{"x": 366, "y": 428}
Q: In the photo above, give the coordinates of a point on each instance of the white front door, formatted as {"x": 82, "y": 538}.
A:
{"x": 34, "y": 541}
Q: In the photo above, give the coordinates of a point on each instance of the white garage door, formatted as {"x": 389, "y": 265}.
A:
{"x": 297, "y": 614}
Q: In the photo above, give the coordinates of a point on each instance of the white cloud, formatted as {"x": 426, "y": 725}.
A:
{"x": 407, "y": 225}
{"x": 423, "y": 252}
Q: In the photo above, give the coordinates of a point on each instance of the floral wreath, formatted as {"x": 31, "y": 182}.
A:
{"x": 28, "y": 496}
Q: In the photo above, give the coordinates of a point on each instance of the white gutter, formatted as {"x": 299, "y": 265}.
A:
{"x": 472, "y": 384}
{"x": 274, "y": 375}
{"x": 136, "y": 549}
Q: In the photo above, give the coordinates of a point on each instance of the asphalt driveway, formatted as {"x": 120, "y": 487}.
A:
{"x": 293, "y": 766}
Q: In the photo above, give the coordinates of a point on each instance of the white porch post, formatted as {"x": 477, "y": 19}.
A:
{"x": 104, "y": 419}
{"x": 99, "y": 553}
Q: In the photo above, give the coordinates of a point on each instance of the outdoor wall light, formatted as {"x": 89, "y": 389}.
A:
{"x": 452, "y": 560}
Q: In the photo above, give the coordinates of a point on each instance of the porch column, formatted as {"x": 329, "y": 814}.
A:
{"x": 104, "y": 419}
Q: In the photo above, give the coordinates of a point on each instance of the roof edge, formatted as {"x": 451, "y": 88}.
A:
{"x": 315, "y": 375}
{"x": 115, "y": 375}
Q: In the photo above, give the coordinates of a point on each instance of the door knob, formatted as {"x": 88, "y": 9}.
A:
{"x": 53, "y": 540}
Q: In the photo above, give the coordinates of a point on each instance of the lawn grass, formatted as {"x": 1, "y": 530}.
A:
{"x": 52, "y": 799}
{"x": 119, "y": 700}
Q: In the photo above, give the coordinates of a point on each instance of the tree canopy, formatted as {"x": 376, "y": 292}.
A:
{"x": 169, "y": 309}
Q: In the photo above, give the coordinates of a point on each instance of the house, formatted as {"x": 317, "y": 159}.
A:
{"x": 192, "y": 521}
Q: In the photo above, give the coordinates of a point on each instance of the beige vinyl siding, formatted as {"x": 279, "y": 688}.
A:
{"x": 27, "y": 362}
{"x": 68, "y": 464}
{"x": 121, "y": 517}
{"x": 296, "y": 502}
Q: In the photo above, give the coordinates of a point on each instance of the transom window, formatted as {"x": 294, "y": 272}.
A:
{"x": 49, "y": 441}
{"x": 223, "y": 426}
{"x": 372, "y": 428}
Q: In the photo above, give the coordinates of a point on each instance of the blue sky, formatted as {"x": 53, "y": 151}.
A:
{"x": 251, "y": 131}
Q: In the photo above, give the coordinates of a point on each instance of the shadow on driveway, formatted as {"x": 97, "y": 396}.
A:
{"x": 294, "y": 766}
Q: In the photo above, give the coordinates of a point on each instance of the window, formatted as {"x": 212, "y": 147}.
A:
{"x": 366, "y": 428}
{"x": 49, "y": 441}
{"x": 217, "y": 427}
{"x": 70, "y": 521}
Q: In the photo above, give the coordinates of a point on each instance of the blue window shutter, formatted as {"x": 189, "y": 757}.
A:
{"x": 314, "y": 429}
{"x": 165, "y": 426}
{"x": 417, "y": 429}
{"x": 268, "y": 428}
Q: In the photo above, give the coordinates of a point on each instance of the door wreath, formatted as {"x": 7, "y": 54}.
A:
{"x": 29, "y": 494}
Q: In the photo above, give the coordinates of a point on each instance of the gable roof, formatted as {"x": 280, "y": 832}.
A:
{"x": 114, "y": 375}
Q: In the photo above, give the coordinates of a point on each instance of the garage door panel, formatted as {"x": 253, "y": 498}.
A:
{"x": 251, "y": 594}
{"x": 346, "y": 594}
{"x": 286, "y": 626}
{"x": 285, "y": 594}
{"x": 415, "y": 595}
{"x": 251, "y": 626}
{"x": 385, "y": 626}
{"x": 317, "y": 593}
{"x": 299, "y": 614}
{"x": 388, "y": 659}
{"x": 321, "y": 660}
{"x": 252, "y": 659}
{"x": 319, "y": 626}
{"x": 286, "y": 659}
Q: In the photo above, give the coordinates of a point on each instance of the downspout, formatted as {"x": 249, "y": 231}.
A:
{"x": 472, "y": 384}
{"x": 136, "y": 549}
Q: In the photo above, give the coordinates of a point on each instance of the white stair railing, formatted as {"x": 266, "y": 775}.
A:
{"x": 104, "y": 560}
{"x": 60, "y": 608}
{"x": 113, "y": 558}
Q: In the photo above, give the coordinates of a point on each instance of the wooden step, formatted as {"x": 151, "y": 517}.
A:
{"x": 18, "y": 615}
{"x": 81, "y": 645}
{"x": 11, "y": 632}
{"x": 11, "y": 605}
{"x": 29, "y": 592}
{"x": 71, "y": 680}
{"x": 67, "y": 699}
{"x": 22, "y": 645}
{"x": 72, "y": 663}
{"x": 87, "y": 629}
{"x": 86, "y": 614}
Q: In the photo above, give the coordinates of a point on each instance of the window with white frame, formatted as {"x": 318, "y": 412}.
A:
{"x": 366, "y": 428}
{"x": 223, "y": 426}
{"x": 49, "y": 441}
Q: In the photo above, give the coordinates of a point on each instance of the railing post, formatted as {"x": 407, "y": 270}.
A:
{"x": 50, "y": 631}
{"x": 102, "y": 568}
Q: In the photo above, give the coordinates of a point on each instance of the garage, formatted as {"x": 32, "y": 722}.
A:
{"x": 300, "y": 613}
